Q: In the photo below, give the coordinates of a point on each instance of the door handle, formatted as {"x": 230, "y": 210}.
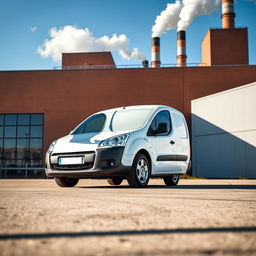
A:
{"x": 172, "y": 142}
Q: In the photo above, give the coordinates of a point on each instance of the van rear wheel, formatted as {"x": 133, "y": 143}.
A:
{"x": 172, "y": 180}
{"x": 66, "y": 182}
{"x": 115, "y": 181}
{"x": 140, "y": 172}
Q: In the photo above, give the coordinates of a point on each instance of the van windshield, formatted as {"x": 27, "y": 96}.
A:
{"x": 129, "y": 119}
{"x": 93, "y": 124}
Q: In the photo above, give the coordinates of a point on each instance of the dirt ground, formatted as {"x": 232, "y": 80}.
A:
{"x": 198, "y": 217}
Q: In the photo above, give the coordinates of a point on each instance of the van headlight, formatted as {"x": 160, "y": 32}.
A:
{"x": 116, "y": 141}
{"x": 51, "y": 147}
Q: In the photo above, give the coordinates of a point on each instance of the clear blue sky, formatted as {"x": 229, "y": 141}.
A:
{"x": 134, "y": 18}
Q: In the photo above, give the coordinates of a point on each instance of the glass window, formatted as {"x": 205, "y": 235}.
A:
{"x": 23, "y": 119}
{"x": 9, "y": 163}
{"x": 21, "y": 142}
{"x": 22, "y": 148}
{"x": 180, "y": 124}
{"x": 92, "y": 124}
{"x": 35, "y": 148}
{"x": 23, "y": 131}
{"x": 10, "y": 119}
{"x": 10, "y": 149}
{"x": 10, "y": 131}
{"x": 1, "y": 131}
{"x": 1, "y": 151}
{"x": 36, "y": 131}
{"x": 130, "y": 119}
{"x": 1, "y": 146}
{"x": 1, "y": 119}
{"x": 161, "y": 117}
{"x": 21, "y": 162}
{"x": 37, "y": 119}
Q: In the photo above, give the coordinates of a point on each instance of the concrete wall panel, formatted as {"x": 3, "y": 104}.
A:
{"x": 224, "y": 134}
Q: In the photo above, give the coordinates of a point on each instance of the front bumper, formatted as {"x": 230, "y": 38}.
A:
{"x": 102, "y": 163}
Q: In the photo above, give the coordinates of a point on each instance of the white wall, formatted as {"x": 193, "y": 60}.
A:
{"x": 224, "y": 134}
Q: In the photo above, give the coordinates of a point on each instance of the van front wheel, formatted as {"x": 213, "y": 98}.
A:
{"x": 140, "y": 172}
{"x": 172, "y": 180}
{"x": 66, "y": 182}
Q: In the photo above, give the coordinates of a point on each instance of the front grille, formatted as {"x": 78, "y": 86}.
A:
{"x": 72, "y": 167}
{"x": 89, "y": 161}
{"x": 73, "y": 153}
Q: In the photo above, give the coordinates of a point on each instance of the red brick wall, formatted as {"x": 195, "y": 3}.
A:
{"x": 225, "y": 47}
{"x": 88, "y": 59}
{"x": 66, "y": 97}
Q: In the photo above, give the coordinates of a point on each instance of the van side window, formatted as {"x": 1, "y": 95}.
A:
{"x": 162, "y": 119}
{"x": 180, "y": 124}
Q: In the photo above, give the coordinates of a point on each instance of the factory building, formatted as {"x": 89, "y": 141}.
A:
{"x": 36, "y": 107}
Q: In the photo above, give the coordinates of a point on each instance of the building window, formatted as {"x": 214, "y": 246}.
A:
{"x": 21, "y": 140}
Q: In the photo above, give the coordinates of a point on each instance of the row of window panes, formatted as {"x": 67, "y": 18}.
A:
{"x": 21, "y": 119}
{"x": 21, "y": 163}
{"x": 36, "y": 154}
{"x": 21, "y": 131}
{"x": 21, "y": 143}
{"x": 25, "y": 149}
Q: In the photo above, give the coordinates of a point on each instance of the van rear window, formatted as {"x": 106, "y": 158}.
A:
{"x": 180, "y": 124}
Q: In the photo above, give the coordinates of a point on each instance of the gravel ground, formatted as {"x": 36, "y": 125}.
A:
{"x": 198, "y": 217}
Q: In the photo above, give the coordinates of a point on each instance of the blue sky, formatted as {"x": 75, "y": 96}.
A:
{"x": 25, "y": 25}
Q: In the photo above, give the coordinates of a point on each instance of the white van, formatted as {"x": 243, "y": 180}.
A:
{"x": 133, "y": 143}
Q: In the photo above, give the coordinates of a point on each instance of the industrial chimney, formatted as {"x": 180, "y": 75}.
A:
{"x": 145, "y": 63}
{"x": 181, "y": 48}
{"x": 155, "y": 52}
{"x": 228, "y": 15}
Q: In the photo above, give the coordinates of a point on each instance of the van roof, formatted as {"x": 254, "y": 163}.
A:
{"x": 153, "y": 107}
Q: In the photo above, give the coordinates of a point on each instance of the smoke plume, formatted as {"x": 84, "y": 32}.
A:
{"x": 181, "y": 14}
{"x": 73, "y": 39}
{"x": 167, "y": 19}
{"x": 194, "y": 8}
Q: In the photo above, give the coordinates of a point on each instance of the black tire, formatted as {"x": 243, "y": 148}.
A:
{"x": 115, "y": 181}
{"x": 172, "y": 180}
{"x": 66, "y": 182}
{"x": 140, "y": 172}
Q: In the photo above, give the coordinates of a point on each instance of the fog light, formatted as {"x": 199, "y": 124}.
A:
{"x": 112, "y": 163}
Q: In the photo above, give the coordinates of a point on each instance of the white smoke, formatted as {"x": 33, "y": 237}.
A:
{"x": 167, "y": 19}
{"x": 72, "y": 39}
{"x": 182, "y": 13}
{"x": 194, "y": 8}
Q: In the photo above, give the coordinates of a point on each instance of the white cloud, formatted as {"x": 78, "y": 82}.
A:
{"x": 73, "y": 39}
{"x": 33, "y": 29}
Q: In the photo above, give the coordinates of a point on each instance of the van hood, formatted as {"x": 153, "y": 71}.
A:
{"x": 82, "y": 142}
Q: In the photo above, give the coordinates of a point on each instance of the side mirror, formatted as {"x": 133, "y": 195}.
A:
{"x": 161, "y": 129}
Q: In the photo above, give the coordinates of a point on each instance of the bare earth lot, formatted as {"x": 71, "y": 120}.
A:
{"x": 198, "y": 217}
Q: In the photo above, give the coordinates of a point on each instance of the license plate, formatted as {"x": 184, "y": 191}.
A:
{"x": 70, "y": 160}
